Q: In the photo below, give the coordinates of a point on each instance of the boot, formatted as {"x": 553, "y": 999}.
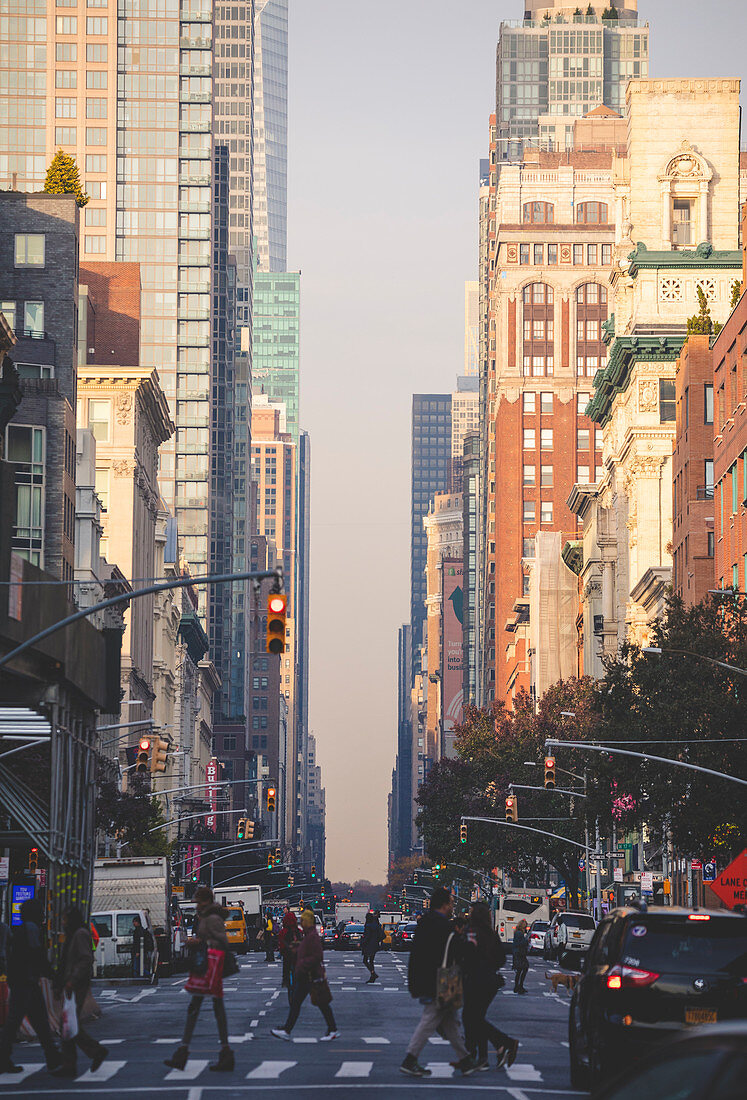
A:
{"x": 225, "y": 1061}
{"x": 178, "y": 1060}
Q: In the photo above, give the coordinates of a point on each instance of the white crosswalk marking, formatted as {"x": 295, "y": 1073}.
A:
{"x": 438, "y": 1041}
{"x": 103, "y": 1073}
{"x": 193, "y": 1068}
{"x": 523, "y": 1071}
{"x": 16, "y": 1078}
{"x": 354, "y": 1069}
{"x": 269, "y": 1071}
{"x": 376, "y": 1041}
{"x": 440, "y": 1069}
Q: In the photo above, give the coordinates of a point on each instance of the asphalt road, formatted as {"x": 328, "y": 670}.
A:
{"x": 142, "y": 1026}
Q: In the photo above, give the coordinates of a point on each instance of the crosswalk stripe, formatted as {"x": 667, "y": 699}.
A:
{"x": 438, "y": 1041}
{"x": 440, "y": 1069}
{"x": 354, "y": 1069}
{"x": 376, "y": 1041}
{"x": 269, "y": 1070}
{"x": 16, "y": 1078}
{"x": 193, "y": 1069}
{"x": 104, "y": 1073}
{"x": 523, "y": 1071}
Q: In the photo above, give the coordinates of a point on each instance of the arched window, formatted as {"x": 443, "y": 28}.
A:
{"x": 591, "y": 312}
{"x": 539, "y": 329}
{"x": 539, "y": 213}
{"x": 592, "y": 213}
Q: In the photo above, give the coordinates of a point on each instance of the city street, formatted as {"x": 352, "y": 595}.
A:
{"x": 142, "y": 1026}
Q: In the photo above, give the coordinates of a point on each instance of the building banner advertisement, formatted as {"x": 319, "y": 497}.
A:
{"x": 452, "y": 659}
{"x": 211, "y": 791}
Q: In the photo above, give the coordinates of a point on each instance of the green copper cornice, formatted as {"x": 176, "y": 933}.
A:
{"x": 703, "y": 256}
{"x": 573, "y": 556}
{"x": 625, "y": 353}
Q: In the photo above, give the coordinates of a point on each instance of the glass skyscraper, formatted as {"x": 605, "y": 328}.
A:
{"x": 276, "y": 333}
{"x": 431, "y": 473}
{"x": 271, "y": 134}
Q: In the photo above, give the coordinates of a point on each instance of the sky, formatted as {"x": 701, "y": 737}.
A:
{"x": 389, "y": 107}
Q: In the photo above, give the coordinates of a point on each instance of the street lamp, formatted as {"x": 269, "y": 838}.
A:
{"x": 657, "y": 651}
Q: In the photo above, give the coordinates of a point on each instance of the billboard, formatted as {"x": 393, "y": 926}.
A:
{"x": 211, "y": 791}
{"x": 452, "y": 656}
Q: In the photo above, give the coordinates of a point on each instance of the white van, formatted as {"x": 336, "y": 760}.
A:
{"x": 114, "y": 928}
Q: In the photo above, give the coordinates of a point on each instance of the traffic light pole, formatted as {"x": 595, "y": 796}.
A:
{"x": 645, "y": 756}
{"x": 190, "y": 817}
{"x": 550, "y": 790}
{"x": 528, "y": 829}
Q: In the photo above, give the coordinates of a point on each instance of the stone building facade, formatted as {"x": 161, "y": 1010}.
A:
{"x": 444, "y": 538}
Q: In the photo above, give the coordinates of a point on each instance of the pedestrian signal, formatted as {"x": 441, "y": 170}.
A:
{"x": 241, "y": 829}
{"x": 159, "y": 754}
{"x": 512, "y": 809}
{"x": 550, "y": 773}
{"x": 463, "y": 834}
{"x": 277, "y": 607}
{"x": 142, "y": 762}
{"x": 33, "y": 860}
{"x": 271, "y": 796}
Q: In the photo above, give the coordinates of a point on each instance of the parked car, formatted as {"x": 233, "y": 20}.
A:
{"x": 236, "y": 929}
{"x": 330, "y": 935}
{"x": 709, "y": 1063}
{"x": 349, "y": 937}
{"x": 404, "y": 935}
{"x": 569, "y": 934}
{"x": 537, "y": 936}
{"x": 649, "y": 974}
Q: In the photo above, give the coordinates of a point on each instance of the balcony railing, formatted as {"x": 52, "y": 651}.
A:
{"x": 705, "y": 492}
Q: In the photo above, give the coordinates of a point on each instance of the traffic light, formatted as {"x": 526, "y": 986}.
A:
{"x": 142, "y": 762}
{"x": 290, "y": 880}
{"x": 415, "y": 878}
{"x": 313, "y": 870}
{"x": 271, "y": 796}
{"x": 241, "y": 829}
{"x": 436, "y": 870}
{"x": 159, "y": 755}
{"x": 463, "y": 833}
{"x": 278, "y": 857}
{"x": 277, "y": 608}
{"x": 550, "y": 773}
{"x": 249, "y": 829}
{"x": 269, "y": 861}
{"x": 33, "y": 860}
{"x": 512, "y": 808}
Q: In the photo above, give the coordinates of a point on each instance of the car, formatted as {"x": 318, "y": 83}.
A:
{"x": 709, "y": 1063}
{"x": 330, "y": 936}
{"x": 568, "y": 936}
{"x": 649, "y": 974}
{"x": 350, "y": 936}
{"x": 236, "y": 932}
{"x": 537, "y": 931}
{"x": 405, "y": 935}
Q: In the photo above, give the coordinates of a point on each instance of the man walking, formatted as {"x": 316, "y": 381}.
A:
{"x": 26, "y": 963}
{"x": 371, "y": 941}
{"x": 269, "y": 940}
{"x": 428, "y": 949}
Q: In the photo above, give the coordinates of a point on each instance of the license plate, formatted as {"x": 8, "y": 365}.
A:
{"x": 701, "y": 1016}
{"x": 577, "y": 935}
{"x": 124, "y": 949}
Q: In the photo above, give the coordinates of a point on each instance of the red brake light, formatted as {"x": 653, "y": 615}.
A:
{"x": 698, "y": 916}
{"x": 629, "y": 977}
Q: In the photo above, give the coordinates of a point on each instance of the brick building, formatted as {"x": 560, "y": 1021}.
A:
{"x": 692, "y": 472}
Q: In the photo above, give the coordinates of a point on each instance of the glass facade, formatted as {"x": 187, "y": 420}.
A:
{"x": 276, "y": 332}
{"x": 271, "y": 134}
{"x": 431, "y": 473}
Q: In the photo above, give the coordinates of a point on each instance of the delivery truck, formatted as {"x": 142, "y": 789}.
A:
{"x": 122, "y": 890}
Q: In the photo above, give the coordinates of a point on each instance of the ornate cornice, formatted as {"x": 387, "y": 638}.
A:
{"x": 625, "y": 353}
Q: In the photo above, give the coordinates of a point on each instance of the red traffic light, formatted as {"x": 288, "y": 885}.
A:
{"x": 549, "y": 761}
{"x": 144, "y": 744}
{"x": 277, "y": 604}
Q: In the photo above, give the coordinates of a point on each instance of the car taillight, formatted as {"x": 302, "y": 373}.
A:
{"x": 629, "y": 977}
{"x": 698, "y": 916}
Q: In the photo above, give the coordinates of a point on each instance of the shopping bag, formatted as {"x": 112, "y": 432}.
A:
{"x": 3, "y": 1001}
{"x": 230, "y": 965}
{"x": 320, "y": 994}
{"x": 197, "y": 960}
{"x": 69, "y": 1018}
{"x": 449, "y": 990}
{"x": 209, "y": 984}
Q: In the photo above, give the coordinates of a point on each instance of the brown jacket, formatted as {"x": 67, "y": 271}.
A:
{"x": 79, "y": 960}
{"x": 211, "y": 929}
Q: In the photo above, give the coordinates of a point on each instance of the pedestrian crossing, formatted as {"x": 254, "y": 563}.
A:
{"x": 268, "y": 1070}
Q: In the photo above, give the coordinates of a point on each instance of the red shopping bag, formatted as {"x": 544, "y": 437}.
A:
{"x": 209, "y": 984}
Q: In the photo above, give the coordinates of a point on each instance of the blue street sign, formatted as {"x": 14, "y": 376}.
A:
{"x": 709, "y": 871}
{"x": 19, "y": 894}
{"x": 582, "y": 865}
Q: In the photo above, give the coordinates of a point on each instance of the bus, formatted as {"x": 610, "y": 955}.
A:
{"x": 529, "y": 905}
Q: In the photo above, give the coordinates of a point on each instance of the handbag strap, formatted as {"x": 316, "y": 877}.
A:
{"x": 446, "y": 950}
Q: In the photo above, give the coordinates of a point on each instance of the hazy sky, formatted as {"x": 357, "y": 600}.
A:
{"x": 389, "y": 107}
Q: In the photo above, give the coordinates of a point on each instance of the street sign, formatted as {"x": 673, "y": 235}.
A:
{"x": 731, "y": 884}
{"x": 709, "y": 870}
{"x": 581, "y": 865}
{"x": 627, "y": 847}
{"x": 617, "y": 874}
{"x": 4, "y": 869}
{"x": 647, "y": 882}
{"x": 696, "y": 865}
{"x": 617, "y": 855}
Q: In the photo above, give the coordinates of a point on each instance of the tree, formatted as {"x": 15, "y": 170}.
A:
{"x": 129, "y": 816}
{"x": 63, "y": 178}
{"x": 736, "y": 293}
{"x": 701, "y": 323}
{"x": 401, "y": 872}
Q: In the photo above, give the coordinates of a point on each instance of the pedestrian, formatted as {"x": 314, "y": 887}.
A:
{"x": 521, "y": 956}
{"x": 141, "y": 937}
{"x": 309, "y": 969}
{"x": 26, "y": 962}
{"x": 371, "y": 941}
{"x": 269, "y": 940}
{"x": 74, "y": 980}
{"x": 429, "y": 947}
{"x": 483, "y": 956}
{"x": 288, "y": 942}
{"x": 211, "y": 934}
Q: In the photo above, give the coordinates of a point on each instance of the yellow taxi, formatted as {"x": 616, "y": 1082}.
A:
{"x": 236, "y": 928}
{"x": 388, "y": 930}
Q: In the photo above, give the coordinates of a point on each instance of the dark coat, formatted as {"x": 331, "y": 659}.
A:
{"x": 310, "y": 954}
{"x": 77, "y": 962}
{"x": 211, "y": 928}
{"x": 26, "y": 959}
{"x": 373, "y": 936}
{"x": 481, "y": 955}
{"x": 521, "y": 949}
{"x": 427, "y": 953}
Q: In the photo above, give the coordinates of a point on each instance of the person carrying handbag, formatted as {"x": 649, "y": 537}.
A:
{"x": 435, "y": 983}
{"x": 209, "y": 949}
{"x": 26, "y": 963}
{"x": 309, "y": 979}
{"x": 483, "y": 954}
{"x": 74, "y": 978}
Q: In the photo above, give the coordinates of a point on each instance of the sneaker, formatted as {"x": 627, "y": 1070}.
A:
{"x": 412, "y": 1067}
{"x": 280, "y": 1033}
{"x": 482, "y": 1064}
{"x": 507, "y": 1054}
{"x": 467, "y": 1066}
{"x": 329, "y": 1036}
{"x": 11, "y": 1067}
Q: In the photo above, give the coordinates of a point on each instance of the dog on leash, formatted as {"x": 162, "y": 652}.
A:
{"x": 568, "y": 980}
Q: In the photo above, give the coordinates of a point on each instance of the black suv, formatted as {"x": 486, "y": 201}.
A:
{"x": 649, "y": 974}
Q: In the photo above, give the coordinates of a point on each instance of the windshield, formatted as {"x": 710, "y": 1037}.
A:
{"x": 518, "y": 905}
{"x": 235, "y": 914}
{"x": 575, "y": 920}
{"x": 539, "y": 926}
{"x": 688, "y": 947}
{"x": 354, "y": 928}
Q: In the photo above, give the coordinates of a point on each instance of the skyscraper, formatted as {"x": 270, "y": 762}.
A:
{"x": 431, "y": 466}
{"x": 276, "y": 337}
{"x": 271, "y": 134}
{"x": 557, "y": 64}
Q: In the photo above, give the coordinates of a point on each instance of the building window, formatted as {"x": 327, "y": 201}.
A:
{"x": 95, "y": 107}
{"x": 546, "y": 404}
{"x": 734, "y": 489}
{"x": 584, "y": 475}
{"x": 582, "y": 440}
{"x": 102, "y": 485}
{"x": 97, "y": 78}
{"x": 539, "y": 253}
{"x": 95, "y": 216}
{"x": 546, "y": 477}
{"x": 33, "y": 319}
{"x": 66, "y": 135}
{"x": 708, "y": 403}
{"x": 606, "y": 255}
{"x": 8, "y": 310}
{"x": 524, "y": 254}
{"x": 525, "y": 584}
{"x": 96, "y": 24}
{"x": 30, "y": 249}
{"x": 546, "y": 439}
{"x": 527, "y": 550}
{"x": 66, "y": 78}
{"x": 582, "y": 400}
{"x": 578, "y": 254}
{"x": 530, "y": 512}
{"x": 95, "y": 162}
{"x": 711, "y": 544}
{"x": 95, "y": 135}
{"x": 546, "y": 511}
{"x": 25, "y": 448}
{"x": 99, "y": 420}
{"x": 66, "y": 51}
{"x": 592, "y": 255}
{"x": 552, "y": 254}
{"x": 96, "y": 52}
{"x": 229, "y": 742}
{"x": 539, "y": 213}
{"x": 530, "y": 475}
{"x": 682, "y": 221}
{"x": 96, "y": 189}
{"x": 95, "y": 245}
{"x": 592, "y": 213}
{"x": 667, "y": 400}
{"x": 65, "y": 107}
{"x": 66, "y": 24}
{"x": 530, "y": 399}
{"x": 530, "y": 441}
